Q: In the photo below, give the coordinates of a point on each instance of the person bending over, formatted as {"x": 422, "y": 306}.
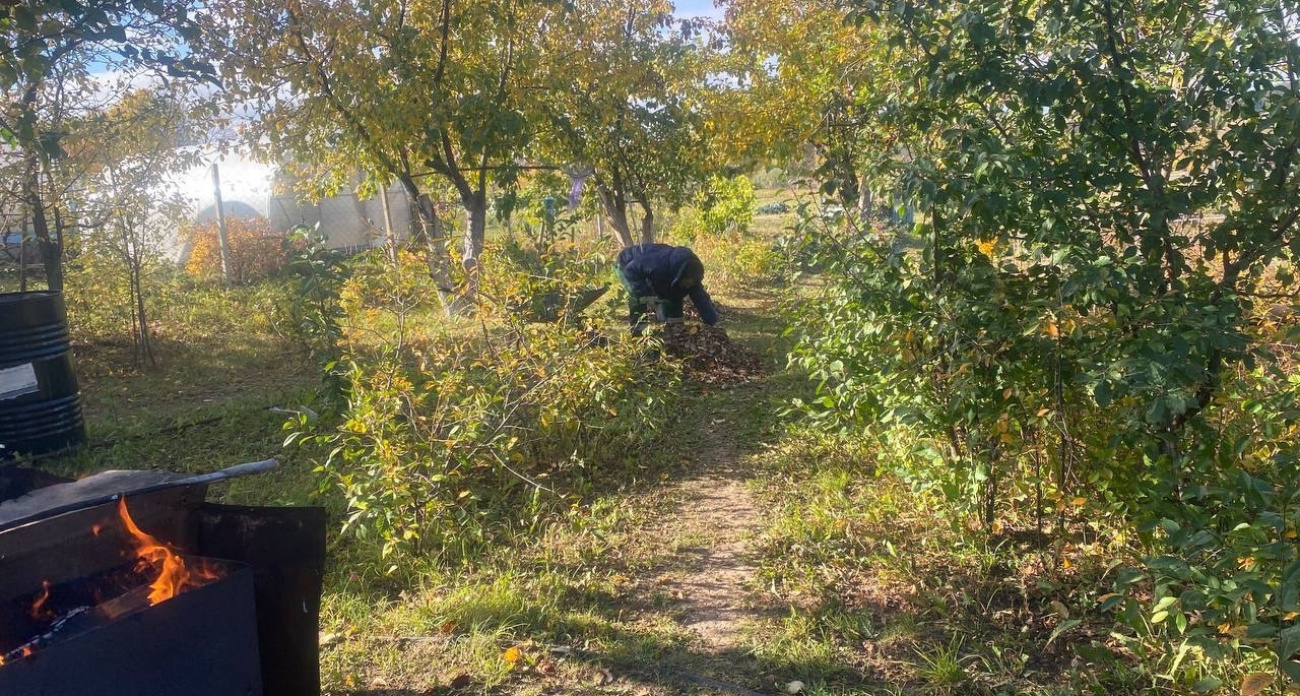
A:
{"x": 658, "y": 278}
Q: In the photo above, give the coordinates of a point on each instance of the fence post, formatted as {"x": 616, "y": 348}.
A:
{"x": 222, "y": 243}
{"x": 22, "y": 259}
{"x": 389, "y": 238}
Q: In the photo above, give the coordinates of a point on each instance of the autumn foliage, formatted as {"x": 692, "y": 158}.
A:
{"x": 256, "y": 250}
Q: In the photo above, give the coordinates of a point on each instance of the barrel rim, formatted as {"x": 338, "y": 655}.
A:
{"x": 6, "y": 297}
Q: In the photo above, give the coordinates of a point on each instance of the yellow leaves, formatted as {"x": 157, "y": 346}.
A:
{"x": 1228, "y": 629}
{"x": 512, "y": 655}
{"x": 1078, "y": 502}
{"x": 253, "y": 250}
{"x": 1054, "y": 328}
{"x": 1255, "y": 683}
{"x": 987, "y": 247}
{"x": 1002, "y": 428}
{"x": 1291, "y": 533}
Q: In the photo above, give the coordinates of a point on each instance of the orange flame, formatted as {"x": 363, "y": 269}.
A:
{"x": 39, "y": 610}
{"x": 173, "y": 576}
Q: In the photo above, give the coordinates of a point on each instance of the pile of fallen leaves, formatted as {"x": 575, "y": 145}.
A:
{"x": 709, "y": 355}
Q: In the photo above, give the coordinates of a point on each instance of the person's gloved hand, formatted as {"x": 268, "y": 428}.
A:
{"x": 653, "y": 305}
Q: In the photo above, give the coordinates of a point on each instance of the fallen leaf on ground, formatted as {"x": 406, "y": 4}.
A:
{"x": 1060, "y": 610}
{"x": 1255, "y": 683}
{"x": 710, "y": 356}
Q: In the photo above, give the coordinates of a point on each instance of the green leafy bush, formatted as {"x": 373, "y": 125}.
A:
{"x": 739, "y": 259}
{"x": 478, "y": 428}
{"x": 312, "y": 282}
{"x": 481, "y": 437}
{"x": 98, "y": 296}
{"x": 726, "y": 206}
{"x": 987, "y": 391}
{"x": 717, "y": 229}
{"x": 554, "y": 282}
{"x": 1082, "y": 339}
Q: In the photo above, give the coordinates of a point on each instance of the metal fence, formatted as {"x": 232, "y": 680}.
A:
{"x": 346, "y": 221}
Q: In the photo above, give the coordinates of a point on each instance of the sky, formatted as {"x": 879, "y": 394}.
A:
{"x": 697, "y": 8}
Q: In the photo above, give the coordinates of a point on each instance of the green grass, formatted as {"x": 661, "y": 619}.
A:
{"x": 941, "y": 667}
{"x": 797, "y": 642}
{"x": 887, "y": 587}
{"x": 209, "y": 402}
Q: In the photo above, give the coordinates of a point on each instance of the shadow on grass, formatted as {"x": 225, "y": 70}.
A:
{"x": 638, "y": 665}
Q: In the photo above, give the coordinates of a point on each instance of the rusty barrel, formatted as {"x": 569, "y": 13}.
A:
{"x": 40, "y": 404}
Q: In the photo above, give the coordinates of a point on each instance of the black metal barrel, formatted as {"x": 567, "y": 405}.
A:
{"x": 40, "y": 405}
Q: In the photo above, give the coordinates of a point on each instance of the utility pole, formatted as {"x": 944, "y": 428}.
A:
{"x": 221, "y": 225}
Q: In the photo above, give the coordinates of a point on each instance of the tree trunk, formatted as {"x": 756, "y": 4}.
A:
{"x": 864, "y": 202}
{"x": 51, "y": 250}
{"x": 991, "y": 486}
{"x": 430, "y": 232}
{"x": 616, "y": 210}
{"x": 476, "y": 216}
{"x": 144, "y": 342}
{"x": 647, "y": 224}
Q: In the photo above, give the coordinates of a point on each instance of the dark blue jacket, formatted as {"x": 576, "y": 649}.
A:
{"x": 654, "y": 269}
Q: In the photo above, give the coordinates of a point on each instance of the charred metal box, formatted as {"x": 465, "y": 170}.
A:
{"x": 202, "y": 642}
{"x": 61, "y": 539}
